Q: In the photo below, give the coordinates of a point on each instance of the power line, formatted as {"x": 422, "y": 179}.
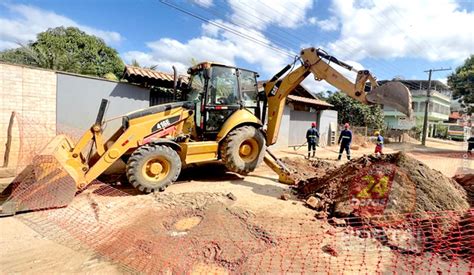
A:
{"x": 260, "y": 42}
{"x": 232, "y": 30}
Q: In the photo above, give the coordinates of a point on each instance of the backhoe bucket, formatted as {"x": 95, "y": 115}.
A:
{"x": 393, "y": 94}
{"x": 47, "y": 182}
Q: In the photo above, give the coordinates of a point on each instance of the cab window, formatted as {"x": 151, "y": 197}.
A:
{"x": 196, "y": 87}
{"x": 248, "y": 87}
{"x": 223, "y": 89}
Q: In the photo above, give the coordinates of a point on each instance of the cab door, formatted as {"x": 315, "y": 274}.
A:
{"x": 222, "y": 99}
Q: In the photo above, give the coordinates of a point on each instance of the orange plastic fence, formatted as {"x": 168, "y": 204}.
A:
{"x": 160, "y": 233}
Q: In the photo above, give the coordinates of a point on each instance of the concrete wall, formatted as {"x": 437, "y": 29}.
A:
{"x": 284, "y": 133}
{"x": 294, "y": 125}
{"x": 78, "y": 101}
{"x": 300, "y": 122}
{"x": 32, "y": 94}
{"x": 327, "y": 123}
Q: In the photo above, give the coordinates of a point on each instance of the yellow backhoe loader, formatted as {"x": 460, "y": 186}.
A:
{"x": 223, "y": 117}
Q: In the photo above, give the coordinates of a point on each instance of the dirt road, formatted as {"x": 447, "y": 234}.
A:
{"x": 27, "y": 251}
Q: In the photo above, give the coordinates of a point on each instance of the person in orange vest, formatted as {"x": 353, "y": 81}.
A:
{"x": 312, "y": 136}
{"x": 345, "y": 140}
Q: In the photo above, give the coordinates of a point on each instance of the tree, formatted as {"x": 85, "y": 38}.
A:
{"x": 324, "y": 95}
{"x": 462, "y": 83}
{"x": 67, "y": 49}
{"x": 135, "y": 63}
{"x": 356, "y": 113}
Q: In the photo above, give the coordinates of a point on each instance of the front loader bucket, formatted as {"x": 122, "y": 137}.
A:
{"x": 393, "y": 94}
{"x": 47, "y": 182}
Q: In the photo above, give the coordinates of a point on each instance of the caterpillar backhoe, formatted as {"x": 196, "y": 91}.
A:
{"x": 223, "y": 117}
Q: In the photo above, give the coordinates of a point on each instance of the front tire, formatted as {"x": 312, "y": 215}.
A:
{"x": 153, "y": 167}
{"x": 243, "y": 149}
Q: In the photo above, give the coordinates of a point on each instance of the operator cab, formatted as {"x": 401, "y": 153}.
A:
{"x": 217, "y": 91}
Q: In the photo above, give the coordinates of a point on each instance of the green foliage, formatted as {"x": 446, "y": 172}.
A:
{"x": 67, "y": 49}
{"x": 136, "y": 64}
{"x": 324, "y": 95}
{"x": 111, "y": 76}
{"x": 462, "y": 83}
{"x": 356, "y": 113}
{"x": 441, "y": 130}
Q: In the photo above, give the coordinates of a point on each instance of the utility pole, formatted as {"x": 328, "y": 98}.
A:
{"x": 428, "y": 99}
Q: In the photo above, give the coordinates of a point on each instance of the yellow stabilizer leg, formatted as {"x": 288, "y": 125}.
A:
{"x": 284, "y": 175}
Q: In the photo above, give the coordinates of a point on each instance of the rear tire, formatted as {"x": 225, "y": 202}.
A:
{"x": 153, "y": 167}
{"x": 243, "y": 149}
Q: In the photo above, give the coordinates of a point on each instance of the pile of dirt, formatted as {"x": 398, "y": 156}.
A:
{"x": 303, "y": 168}
{"x": 388, "y": 186}
{"x": 466, "y": 180}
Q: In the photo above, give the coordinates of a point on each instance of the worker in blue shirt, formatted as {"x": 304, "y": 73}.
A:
{"x": 312, "y": 136}
{"x": 345, "y": 139}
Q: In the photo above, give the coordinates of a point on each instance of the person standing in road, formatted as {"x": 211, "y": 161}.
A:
{"x": 312, "y": 136}
{"x": 379, "y": 143}
{"x": 345, "y": 139}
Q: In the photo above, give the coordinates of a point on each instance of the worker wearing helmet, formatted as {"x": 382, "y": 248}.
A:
{"x": 312, "y": 136}
{"x": 379, "y": 143}
{"x": 345, "y": 139}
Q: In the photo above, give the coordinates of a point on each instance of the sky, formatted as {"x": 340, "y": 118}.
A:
{"x": 391, "y": 38}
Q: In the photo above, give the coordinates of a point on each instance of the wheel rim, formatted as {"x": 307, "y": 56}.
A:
{"x": 156, "y": 169}
{"x": 248, "y": 150}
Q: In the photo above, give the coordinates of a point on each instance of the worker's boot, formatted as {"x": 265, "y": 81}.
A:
{"x": 314, "y": 154}
{"x": 339, "y": 157}
{"x": 348, "y": 157}
{"x": 309, "y": 154}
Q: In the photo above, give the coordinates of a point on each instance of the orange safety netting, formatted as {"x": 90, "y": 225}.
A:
{"x": 186, "y": 233}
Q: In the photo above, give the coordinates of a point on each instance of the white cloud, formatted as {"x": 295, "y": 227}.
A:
{"x": 404, "y": 28}
{"x": 443, "y": 80}
{"x": 27, "y": 21}
{"x": 204, "y": 3}
{"x": 216, "y": 45}
{"x": 261, "y": 14}
{"x": 330, "y": 24}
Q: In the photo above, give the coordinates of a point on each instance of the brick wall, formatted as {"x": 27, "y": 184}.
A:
{"x": 32, "y": 94}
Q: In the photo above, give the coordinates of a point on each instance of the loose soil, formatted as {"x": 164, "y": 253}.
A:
{"x": 390, "y": 185}
{"x": 466, "y": 180}
{"x": 303, "y": 169}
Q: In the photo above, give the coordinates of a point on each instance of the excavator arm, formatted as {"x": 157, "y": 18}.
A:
{"x": 319, "y": 63}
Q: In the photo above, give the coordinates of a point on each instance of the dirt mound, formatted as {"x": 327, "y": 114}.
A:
{"x": 391, "y": 185}
{"x": 304, "y": 169}
{"x": 467, "y": 182}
